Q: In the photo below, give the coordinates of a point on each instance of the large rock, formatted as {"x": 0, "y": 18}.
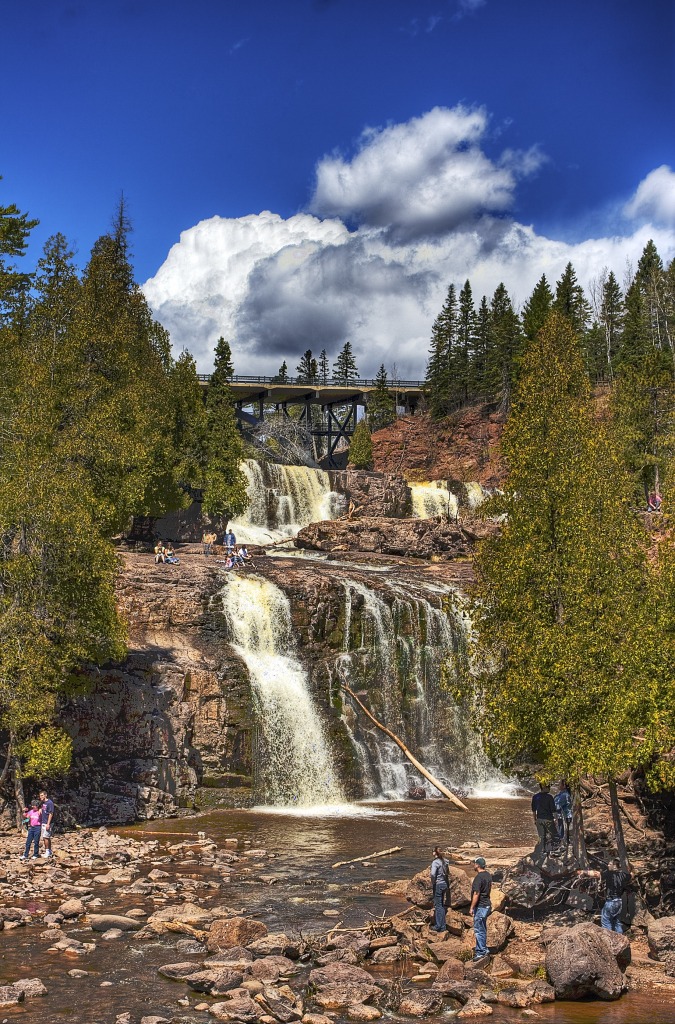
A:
{"x": 499, "y": 930}
{"x": 661, "y": 938}
{"x": 451, "y": 971}
{"x": 215, "y": 982}
{"x": 32, "y": 988}
{"x": 581, "y": 961}
{"x": 340, "y": 985}
{"x": 420, "y": 1004}
{"x": 338, "y": 974}
{"x": 420, "y": 893}
{"x": 239, "y": 1008}
{"x": 270, "y": 968}
{"x": 10, "y": 996}
{"x": 234, "y": 931}
{"x": 102, "y": 922}
{"x": 374, "y": 494}
{"x": 423, "y": 538}
{"x": 523, "y": 890}
{"x": 183, "y": 913}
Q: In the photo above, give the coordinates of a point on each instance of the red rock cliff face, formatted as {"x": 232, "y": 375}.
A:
{"x": 464, "y": 447}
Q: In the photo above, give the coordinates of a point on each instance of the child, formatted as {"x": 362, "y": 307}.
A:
{"x": 33, "y": 815}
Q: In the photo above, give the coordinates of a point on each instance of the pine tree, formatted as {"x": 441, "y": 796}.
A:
{"x": 482, "y": 340}
{"x": 345, "y": 370}
{"x": 189, "y": 427}
{"x": 566, "y": 622}
{"x": 281, "y": 376}
{"x": 361, "y": 447}
{"x": 438, "y": 383}
{"x": 464, "y": 347}
{"x": 611, "y": 319}
{"x": 505, "y": 346}
{"x": 381, "y": 403}
{"x": 570, "y": 300}
{"x": 324, "y": 368}
{"x": 225, "y": 484}
{"x": 307, "y": 369}
{"x": 537, "y": 308}
{"x": 15, "y": 227}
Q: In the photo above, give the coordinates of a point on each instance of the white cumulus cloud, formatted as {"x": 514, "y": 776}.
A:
{"x": 420, "y": 206}
{"x": 655, "y": 197}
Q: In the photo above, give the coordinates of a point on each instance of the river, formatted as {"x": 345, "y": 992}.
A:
{"x": 304, "y": 847}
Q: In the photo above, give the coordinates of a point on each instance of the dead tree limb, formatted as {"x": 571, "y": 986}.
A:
{"x": 413, "y": 760}
{"x": 372, "y": 856}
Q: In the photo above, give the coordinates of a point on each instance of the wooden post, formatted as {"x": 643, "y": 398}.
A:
{"x": 413, "y": 760}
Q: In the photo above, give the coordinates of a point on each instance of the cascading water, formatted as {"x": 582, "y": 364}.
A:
{"x": 406, "y": 640}
{"x": 297, "y": 766}
{"x": 432, "y": 498}
{"x": 283, "y": 499}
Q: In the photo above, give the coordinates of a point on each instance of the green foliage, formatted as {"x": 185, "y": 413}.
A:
{"x": 381, "y": 403}
{"x": 307, "y": 369}
{"x": 537, "y": 308}
{"x": 361, "y": 447}
{"x": 47, "y": 755}
{"x": 570, "y": 300}
{"x": 281, "y": 375}
{"x": 438, "y": 383}
{"x": 566, "y": 607}
{"x": 225, "y": 484}
{"x": 324, "y": 367}
{"x": 345, "y": 369}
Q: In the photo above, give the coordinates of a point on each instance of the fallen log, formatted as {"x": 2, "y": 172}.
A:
{"x": 372, "y": 856}
{"x": 413, "y": 760}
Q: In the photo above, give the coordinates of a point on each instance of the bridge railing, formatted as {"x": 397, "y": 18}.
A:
{"x": 330, "y": 383}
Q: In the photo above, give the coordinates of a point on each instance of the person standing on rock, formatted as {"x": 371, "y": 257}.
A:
{"x": 614, "y": 882}
{"x": 481, "y": 907}
{"x": 544, "y": 811}
{"x": 33, "y": 816}
{"x": 439, "y": 885}
{"x": 47, "y": 817}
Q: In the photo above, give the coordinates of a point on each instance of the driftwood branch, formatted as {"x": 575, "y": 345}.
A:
{"x": 413, "y": 760}
{"x": 357, "y": 860}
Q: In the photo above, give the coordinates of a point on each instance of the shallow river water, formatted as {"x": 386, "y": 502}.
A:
{"x": 305, "y": 847}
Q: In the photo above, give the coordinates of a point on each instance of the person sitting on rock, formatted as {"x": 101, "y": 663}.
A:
{"x": 615, "y": 882}
{"x": 170, "y": 555}
{"x": 654, "y": 502}
{"x": 439, "y": 886}
{"x": 160, "y": 555}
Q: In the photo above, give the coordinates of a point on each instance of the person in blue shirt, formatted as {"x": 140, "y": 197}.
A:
{"x": 563, "y": 807}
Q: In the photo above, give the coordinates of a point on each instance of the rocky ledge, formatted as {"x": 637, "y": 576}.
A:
{"x": 416, "y": 538}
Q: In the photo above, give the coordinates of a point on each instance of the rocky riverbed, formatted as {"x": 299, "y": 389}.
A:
{"x": 180, "y": 928}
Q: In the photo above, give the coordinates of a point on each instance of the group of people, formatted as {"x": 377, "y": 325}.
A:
{"x": 38, "y": 818}
{"x": 480, "y": 908}
{"x": 165, "y": 554}
{"x": 552, "y": 816}
{"x": 236, "y": 556}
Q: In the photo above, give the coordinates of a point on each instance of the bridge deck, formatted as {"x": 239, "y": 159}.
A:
{"x": 250, "y": 389}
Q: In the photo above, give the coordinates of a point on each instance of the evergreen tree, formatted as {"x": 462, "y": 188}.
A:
{"x": 324, "y": 368}
{"x": 566, "y": 622}
{"x": 345, "y": 370}
{"x": 463, "y": 354}
{"x": 189, "y": 427}
{"x": 505, "y": 346}
{"x": 281, "y": 376}
{"x": 307, "y": 369}
{"x": 15, "y": 227}
{"x": 361, "y": 447}
{"x": 537, "y": 308}
{"x": 438, "y": 383}
{"x": 611, "y": 319}
{"x": 480, "y": 385}
{"x": 225, "y": 484}
{"x": 570, "y": 300}
{"x": 381, "y": 403}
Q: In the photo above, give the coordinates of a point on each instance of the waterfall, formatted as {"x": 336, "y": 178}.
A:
{"x": 283, "y": 499}
{"x": 297, "y": 767}
{"x": 432, "y": 498}
{"x": 399, "y": 644}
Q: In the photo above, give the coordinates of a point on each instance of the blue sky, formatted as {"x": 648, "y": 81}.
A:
{"x": 548, "y": 119}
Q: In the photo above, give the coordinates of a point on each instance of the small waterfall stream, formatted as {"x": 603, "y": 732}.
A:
{"x": 431, "y": 499}
{"x": 283, "y": 499}
{"x": 297, "y": 765}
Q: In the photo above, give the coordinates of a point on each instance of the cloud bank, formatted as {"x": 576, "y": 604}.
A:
{"x": 418, "y": 206}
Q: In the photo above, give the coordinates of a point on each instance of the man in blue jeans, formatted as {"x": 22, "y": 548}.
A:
{"x": 480, "y": 908}
{"x": 614, "y": 882}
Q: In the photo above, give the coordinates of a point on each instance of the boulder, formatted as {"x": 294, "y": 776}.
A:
{"x": 361, "y": 1012}
{"x": 475, "y": 1007}
{"x": 269, "y": 968}
{"x": 72, "y": 908}
{"x": 387, "y": 955}
{"x": 419, "y": 890}
{"x": 215, "y": 982}
{"x": 499, "y": 929}
{"x": 103, "y": 922}
{"x": 10, "y": 996}
{"x": 274, "y": 944}
{"x": 237, "y": 957}
{"x": 420, "y": 1004}
{"x": 358, "y": 941}
{"x": 451, "y": 971}
{"x": 540, "y": 991}
{"x": 177, "y": 972}
{"x": 524, "y": 957}
{"x": 240, "y": 1008}
{"x": 316, "y": 1018}
{"x": 661, "y": 938}
{"x": 580, "y": 961}
{"x": 183, "y": 913}
{"x": 523, "y": 890}
{"x": 234, "y": 931}
{"x": 31, "y": 987}
{"x": 339, "y": 974}
{"x": 462, "y": 991}
{"x": 425, "y": 537}
{"x": 340, "y": 996}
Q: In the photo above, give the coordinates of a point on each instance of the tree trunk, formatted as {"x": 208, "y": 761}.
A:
{"x": 618, "y": 826}
{"x": 413, "y": 760}
{"x": 578, "y": 840}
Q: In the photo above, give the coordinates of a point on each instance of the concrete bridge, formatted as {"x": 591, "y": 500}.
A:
{"x": 338, "y": 402}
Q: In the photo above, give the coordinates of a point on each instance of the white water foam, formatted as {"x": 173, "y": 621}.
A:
{"x": 432, "y": 498}
{"x": 283, "y": 499}
{"x": 297, "y": 767}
